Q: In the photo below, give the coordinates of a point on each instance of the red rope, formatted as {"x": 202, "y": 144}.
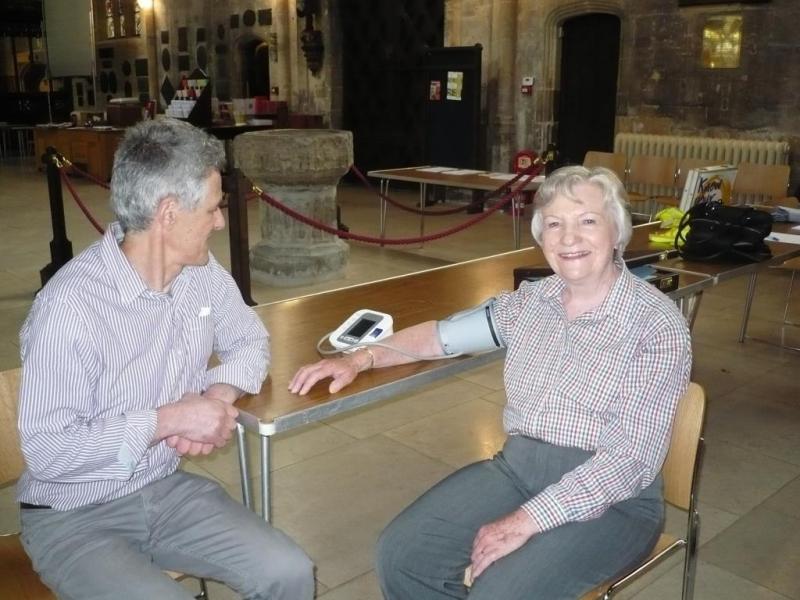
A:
{"x": 450, "y": 211}
{"x": 528, "y": 174}
{"x": 505, "y": 199}
{"x": 89, "y": 176}
{"x": 78, "y": 201}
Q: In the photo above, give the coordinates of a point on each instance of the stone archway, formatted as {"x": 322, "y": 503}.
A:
{"x": 250, "y": 62}
{"x": 551, "y": 59}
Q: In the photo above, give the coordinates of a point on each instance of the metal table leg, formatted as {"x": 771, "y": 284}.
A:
{"x": 265, "y": 474}
{"x": 241, "y": 441}
{"x": 517, "y": 204}
{"x": 748, "y": 303}
{"x": 423, "y": 189}
{"x": 689, "y": 307}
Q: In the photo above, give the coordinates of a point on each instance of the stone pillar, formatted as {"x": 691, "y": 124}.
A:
{"x": 300, "y": 168}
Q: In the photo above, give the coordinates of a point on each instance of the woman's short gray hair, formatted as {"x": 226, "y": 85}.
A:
{"x": 563, "y": 182}
{"x": 157, "y": 159}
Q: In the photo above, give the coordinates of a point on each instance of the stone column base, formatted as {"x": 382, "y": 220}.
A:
{"x": 285, "y": 266}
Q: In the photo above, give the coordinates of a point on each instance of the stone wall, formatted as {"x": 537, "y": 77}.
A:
{"x": 663, "y": 88}
{"x": 225, "y": 31}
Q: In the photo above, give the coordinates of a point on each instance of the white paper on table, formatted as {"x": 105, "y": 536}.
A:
{"x": 503, "y": 176}
{"x": 796, "y": 228}
{"x": 786, "y": 238}
{"x": 436, "y": 169}
{"x": 464, "y": 172}
{"x": 510, "y": 176}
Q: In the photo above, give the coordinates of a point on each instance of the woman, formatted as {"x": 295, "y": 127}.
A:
{"x": 596, "y": 362}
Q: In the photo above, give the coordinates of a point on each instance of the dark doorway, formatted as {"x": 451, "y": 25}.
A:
{"x": 384, "y": 87}
{"x": 588, "y": 94}
{"x": 255, "y": 69}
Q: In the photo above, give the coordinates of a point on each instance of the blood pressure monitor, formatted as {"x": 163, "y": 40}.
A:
{"x": 363, "y": 326}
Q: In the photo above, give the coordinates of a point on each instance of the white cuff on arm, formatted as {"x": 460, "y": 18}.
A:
{"x": 140, "y": 427}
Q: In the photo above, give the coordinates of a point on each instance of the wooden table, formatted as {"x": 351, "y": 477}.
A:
{"x": 477, "y": 180}
{"x": 91, "y": 148}
{"x": 296, "y": 325}
{"x": 719, "y": 272}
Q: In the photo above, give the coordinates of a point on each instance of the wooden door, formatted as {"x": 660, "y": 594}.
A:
{"x": 588, "y": 91}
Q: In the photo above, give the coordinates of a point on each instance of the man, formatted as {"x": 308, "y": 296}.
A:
{"x": 116, "y": 387}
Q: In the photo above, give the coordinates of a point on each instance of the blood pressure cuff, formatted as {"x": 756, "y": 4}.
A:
{"x": 471, "y": 330}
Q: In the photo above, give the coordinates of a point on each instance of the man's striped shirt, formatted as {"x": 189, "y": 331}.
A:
{"x": 101, "y": 352}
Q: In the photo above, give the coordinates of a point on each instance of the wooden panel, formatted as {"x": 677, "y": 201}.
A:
{"x": 11, "y": 463}
{"x": 91, "y": 149}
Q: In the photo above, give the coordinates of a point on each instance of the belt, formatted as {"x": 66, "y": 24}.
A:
{"x": 27, "y": 506}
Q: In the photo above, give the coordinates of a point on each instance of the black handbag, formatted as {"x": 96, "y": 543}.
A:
{"x": 716, "y": 231}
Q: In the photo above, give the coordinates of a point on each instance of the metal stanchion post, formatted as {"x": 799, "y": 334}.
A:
{"x": 60, "y": 246}
{"x": 238, "y": 234}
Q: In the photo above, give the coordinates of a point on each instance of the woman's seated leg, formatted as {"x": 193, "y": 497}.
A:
{"x": 424, "y": 551}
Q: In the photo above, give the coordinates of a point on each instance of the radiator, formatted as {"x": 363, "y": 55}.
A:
{"x": 724, "y": 150}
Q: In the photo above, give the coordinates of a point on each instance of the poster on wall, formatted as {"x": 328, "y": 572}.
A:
{"x": 435, "y": 92}
{"x": 455, "y": 84}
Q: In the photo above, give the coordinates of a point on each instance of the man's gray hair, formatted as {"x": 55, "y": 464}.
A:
{"x": 157, "y": 159}
{"x": 563, "y": 182}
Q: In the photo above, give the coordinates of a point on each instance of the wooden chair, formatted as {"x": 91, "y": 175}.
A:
{"x": 653, "y": 178}
{"x": 18, "y": 580}
{"x": 762, "y": 184}
{"x": 680, "y": 479}
{"x": 615, "y": 161}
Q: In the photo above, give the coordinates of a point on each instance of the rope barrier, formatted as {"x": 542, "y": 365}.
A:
{"x": 528, "y": 174}
{"x": 85, "y": 174}
{"x": 81, "y": 205}
{"x": 505, "y": 199}
{"x": 62, "y": 162}
{"x": 450, "y": 211}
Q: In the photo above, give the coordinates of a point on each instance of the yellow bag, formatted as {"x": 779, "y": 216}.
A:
{"x": 670, "y": 218}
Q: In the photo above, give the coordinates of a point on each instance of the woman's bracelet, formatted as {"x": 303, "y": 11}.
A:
{"x": 371, "y": 358}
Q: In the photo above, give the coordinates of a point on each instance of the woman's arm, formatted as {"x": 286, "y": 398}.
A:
{"x": 421, "y": 339}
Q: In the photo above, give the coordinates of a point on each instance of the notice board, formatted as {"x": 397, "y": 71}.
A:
{"x": 453, "y": 106}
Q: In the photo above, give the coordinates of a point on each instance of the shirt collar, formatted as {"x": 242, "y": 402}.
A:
{"x": 611, "y": 307}
{"x": 125, "y": 277}
{"x": 127, "y": 281}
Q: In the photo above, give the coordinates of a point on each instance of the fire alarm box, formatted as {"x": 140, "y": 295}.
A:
{"x": 527, "y": 86}
{"x": 523, "y": 160}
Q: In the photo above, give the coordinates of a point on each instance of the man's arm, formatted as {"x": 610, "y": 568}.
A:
{"x": 241, "y": 341}
{"x": 64, "y": 435}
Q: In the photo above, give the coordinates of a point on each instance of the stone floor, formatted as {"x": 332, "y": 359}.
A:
{"x": 337, "y": 483}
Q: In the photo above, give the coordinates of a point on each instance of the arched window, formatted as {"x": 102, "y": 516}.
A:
{"x": 117, "y": 19}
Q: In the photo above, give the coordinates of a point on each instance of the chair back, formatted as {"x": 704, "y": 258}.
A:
{"x": 615, "y": 161}
{"x": 679, "y": 467}
{"x": 770, "y": 182}
{"x": 11, "y": 461}
{"x": 655, "y": 170}
{"x": 687, "y": 164}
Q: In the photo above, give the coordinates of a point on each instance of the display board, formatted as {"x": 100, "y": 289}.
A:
{"x": 67, "y": 28}
{"x": 453, "y": 106}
